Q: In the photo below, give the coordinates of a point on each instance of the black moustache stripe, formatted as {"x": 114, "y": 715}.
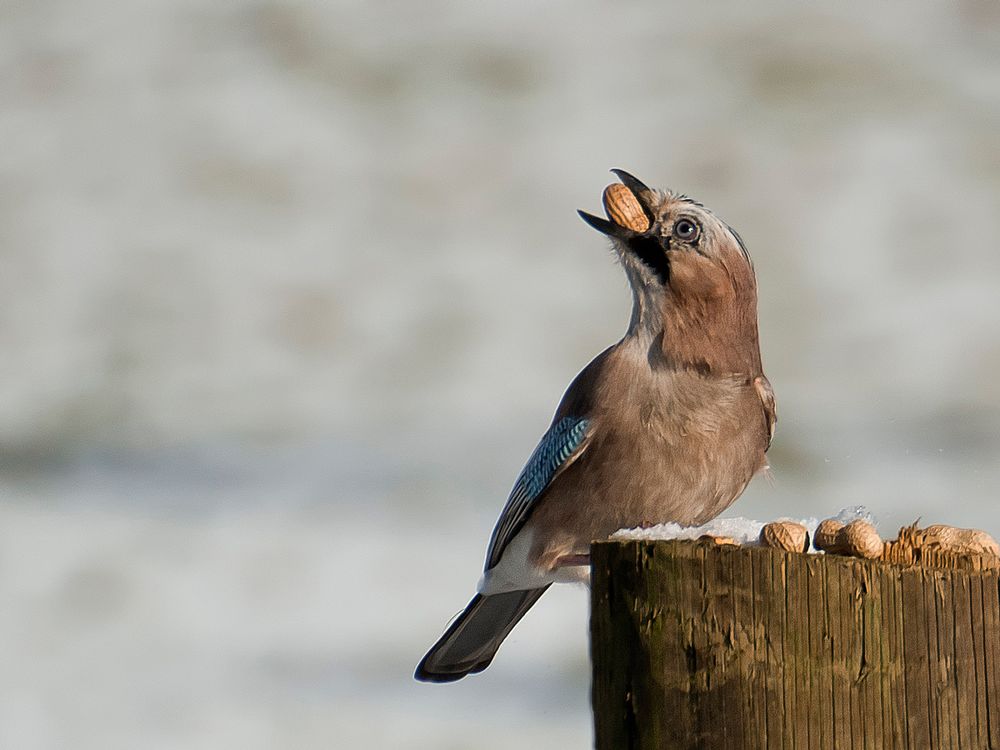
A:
{"x": 652, "y": 254}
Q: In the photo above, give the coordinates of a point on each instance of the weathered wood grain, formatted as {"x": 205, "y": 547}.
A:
{"x": 696, "y": 645}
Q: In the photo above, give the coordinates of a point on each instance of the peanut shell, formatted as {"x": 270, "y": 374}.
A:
{"x": 786, "y": 535}
{"x": 624, "y": 209}
{"x": 825, "y": 537}
{"x": 860, "y": 539}
{"x": 719, "y": 540}
{"x": 960, "y": 540}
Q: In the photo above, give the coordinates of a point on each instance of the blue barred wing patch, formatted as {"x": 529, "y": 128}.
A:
{"x": 559, "y": 446}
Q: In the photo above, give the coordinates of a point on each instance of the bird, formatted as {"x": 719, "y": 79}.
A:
{"x": 669, "y": 424}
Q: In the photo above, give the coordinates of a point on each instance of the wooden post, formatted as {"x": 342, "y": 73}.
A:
{"x": 697, "y": 645}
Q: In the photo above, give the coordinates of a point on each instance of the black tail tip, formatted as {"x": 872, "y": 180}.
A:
{"x": 424, "y": 674}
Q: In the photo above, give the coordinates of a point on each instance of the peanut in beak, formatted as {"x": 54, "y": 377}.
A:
{"x": 624, "y": 209}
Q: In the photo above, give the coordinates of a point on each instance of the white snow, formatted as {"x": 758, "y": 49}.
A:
{"x": 743, "y": 530}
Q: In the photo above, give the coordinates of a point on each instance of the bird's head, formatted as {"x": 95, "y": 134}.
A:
{"x": 693, "y": 283}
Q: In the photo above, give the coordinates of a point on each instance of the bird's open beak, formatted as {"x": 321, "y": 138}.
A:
{"x": 643, "y": 197}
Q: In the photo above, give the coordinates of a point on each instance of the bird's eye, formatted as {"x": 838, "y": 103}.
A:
{"x": 686, "y": 230}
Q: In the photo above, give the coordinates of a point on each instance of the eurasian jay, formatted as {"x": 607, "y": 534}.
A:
{"x": 669, "y": 424}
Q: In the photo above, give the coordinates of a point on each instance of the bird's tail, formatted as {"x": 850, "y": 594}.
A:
{"x": 473, "y": 639}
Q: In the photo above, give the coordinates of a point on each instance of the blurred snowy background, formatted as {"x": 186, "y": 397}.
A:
{"x": 290, "y": 291}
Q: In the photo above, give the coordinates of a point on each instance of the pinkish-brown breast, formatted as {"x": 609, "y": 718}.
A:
{"x": 667, "y": 446}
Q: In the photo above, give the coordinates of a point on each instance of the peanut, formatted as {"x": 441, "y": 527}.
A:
{"x": 825, "y": 537}
{"x": 856, "y": 539}
{"x": 719, "y": 540}
{"x": 786, "y": 535}
{"x": 860, "y": 539}
{"x": 967, "y": 541}
{"x": 624, "y": 209}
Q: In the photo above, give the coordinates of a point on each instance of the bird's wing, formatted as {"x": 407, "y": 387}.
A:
{"x": 564, "y": 442}
{"x": 766, "y": 395}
